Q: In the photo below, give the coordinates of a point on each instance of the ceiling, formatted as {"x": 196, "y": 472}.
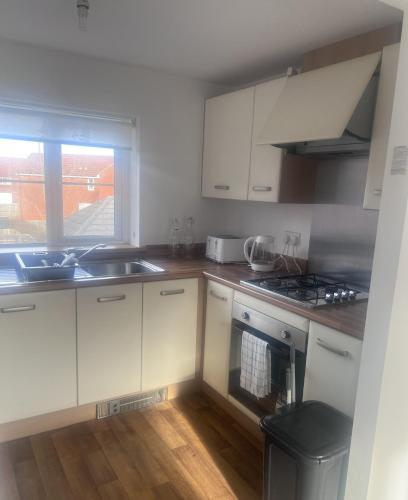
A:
{"x": 225, "y": 41}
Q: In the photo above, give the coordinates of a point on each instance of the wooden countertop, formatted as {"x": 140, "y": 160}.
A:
{"x": 347, "y": 318}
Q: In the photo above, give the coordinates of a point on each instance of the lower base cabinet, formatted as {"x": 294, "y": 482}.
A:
{"x": 169, "y": 332}
{"x": 37, "y": 354}
{"x": 109, "y": 341}
{"x": 332, "y": 368}
{"x": 217, "y": 336}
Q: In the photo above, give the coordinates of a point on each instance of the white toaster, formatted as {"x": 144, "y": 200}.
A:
{"x": 225, "y": 248}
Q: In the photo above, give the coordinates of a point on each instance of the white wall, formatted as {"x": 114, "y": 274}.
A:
{"x": 379, "y": 449}
{"x": 170, "y": 110}
{"x": 252, "y": 218}
{"x": 340, "y": 182}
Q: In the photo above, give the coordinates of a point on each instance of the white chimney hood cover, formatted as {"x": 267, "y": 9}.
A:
{"x": 319, "y": 104}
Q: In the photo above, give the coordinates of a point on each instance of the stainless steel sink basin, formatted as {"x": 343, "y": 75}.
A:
{"x": 119, "y": 268}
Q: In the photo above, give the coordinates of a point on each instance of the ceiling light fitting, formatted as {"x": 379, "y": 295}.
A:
{"x": 82, "y": 9}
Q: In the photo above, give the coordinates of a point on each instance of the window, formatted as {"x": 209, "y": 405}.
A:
{"x": 22, "y": 192}
{"x": 63, "y": 176}
{"x": 88, "y": 191}
{"x": 91, "y": 184}
{"x": 60, "y": 193}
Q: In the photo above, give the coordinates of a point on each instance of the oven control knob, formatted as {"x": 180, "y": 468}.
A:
{"x": 245, "y": 316}
{"x": 285, "y": 334}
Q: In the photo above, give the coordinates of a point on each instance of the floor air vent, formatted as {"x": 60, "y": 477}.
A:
{"x": 130, "y": 403}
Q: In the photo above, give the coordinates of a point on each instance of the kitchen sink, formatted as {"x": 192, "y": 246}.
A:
{"x": 119, "y": 268}
{"x": 44, "y": 266}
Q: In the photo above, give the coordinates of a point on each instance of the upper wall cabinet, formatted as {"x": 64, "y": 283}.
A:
{"x": 227, "y": 145}
{"x": 235, "y": 167}
{"x": 266, "y": 161}
{"x": 381, "y": 127}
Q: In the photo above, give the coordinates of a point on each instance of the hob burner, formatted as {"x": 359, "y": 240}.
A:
{"x": 309, "y": 290}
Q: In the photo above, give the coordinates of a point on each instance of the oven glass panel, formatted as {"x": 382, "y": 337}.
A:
{"x": 280, "y": 363}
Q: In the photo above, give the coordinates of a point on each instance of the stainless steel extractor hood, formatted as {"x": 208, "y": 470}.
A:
{"x": 326, "y": 111}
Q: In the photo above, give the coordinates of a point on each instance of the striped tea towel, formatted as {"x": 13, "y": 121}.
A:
{"x": 255, "y": 365}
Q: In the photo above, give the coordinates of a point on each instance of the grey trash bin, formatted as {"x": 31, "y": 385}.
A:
{"x": 306, "y": 452}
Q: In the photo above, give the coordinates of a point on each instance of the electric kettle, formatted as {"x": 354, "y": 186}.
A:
{"x": 259, "y": 252}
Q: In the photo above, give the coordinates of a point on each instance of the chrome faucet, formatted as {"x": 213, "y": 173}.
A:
{"x": 72, "y": 258}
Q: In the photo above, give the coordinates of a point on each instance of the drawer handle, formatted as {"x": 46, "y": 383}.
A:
{"x": 114, "y": 298}
{"x": 334, "y": 350}
{"x": 219, "y": 297}
{"x": 377, "y": 192}
{"x": 223, "y": 187}
{"x": 17, "y": 309}
{"x": 264, "y": 189}
{"x": 172, "y": 292}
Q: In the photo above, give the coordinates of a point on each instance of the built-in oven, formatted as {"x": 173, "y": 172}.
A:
{"x": 286, "y": 346}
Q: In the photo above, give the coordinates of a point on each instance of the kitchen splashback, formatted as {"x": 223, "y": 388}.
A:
{"x": 343, "y": 234}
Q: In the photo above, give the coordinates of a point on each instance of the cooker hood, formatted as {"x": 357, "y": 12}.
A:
{"x": 326, "y": 111}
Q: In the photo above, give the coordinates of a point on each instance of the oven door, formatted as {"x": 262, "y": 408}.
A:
{"x": 279, "y": 374}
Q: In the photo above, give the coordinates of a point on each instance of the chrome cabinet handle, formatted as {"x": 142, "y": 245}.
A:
{"x": 172, "y": 292}
{"x": 219, "y": 297}
{"x": 114, "y": 298}
{"x": 222, "y": 187}
{"x": 17, "y": 309}
{"x": 262, "y": 188}
{"x": 377, "y": 192}
{"x": 334, "y": 350}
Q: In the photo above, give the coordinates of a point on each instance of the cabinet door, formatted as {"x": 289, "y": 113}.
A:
{"x": 332, "y": 366}
{"x": 381, "y": 127}
{"x": 217, "y": 336}
{"x": 266, "y": 160}
{"x": 227, "y": 145}
{"x": 169, "y": 332}
{"x": 109, "y": 341}
{"x": 37, "y": 354}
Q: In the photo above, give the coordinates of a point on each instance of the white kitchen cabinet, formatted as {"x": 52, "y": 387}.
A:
{"x": 332, "y": 367}
{"x": 217, "y": 336}
{"x": 37, "y": 354}
{"x": 266, "y": 160}
{"x": 169, "y": 332}
{"x": 235, "y": 167}
{"x": 227, "y": 145}
{"x": 109, "y": 341}
{"x": 381, "y": 127}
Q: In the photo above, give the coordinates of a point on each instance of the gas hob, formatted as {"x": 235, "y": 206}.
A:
{"x": 308, "y": 290}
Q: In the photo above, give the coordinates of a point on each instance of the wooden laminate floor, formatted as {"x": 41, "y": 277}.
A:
{"x": 186, "y": 448}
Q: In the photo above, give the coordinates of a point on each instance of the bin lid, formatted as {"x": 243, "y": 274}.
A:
{"x": 312, "y": 429}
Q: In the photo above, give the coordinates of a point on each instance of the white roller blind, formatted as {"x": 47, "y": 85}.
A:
{"x": 24, "y": 122}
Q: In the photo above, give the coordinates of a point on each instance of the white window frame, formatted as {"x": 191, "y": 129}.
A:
{"x": 54, "y": 201}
